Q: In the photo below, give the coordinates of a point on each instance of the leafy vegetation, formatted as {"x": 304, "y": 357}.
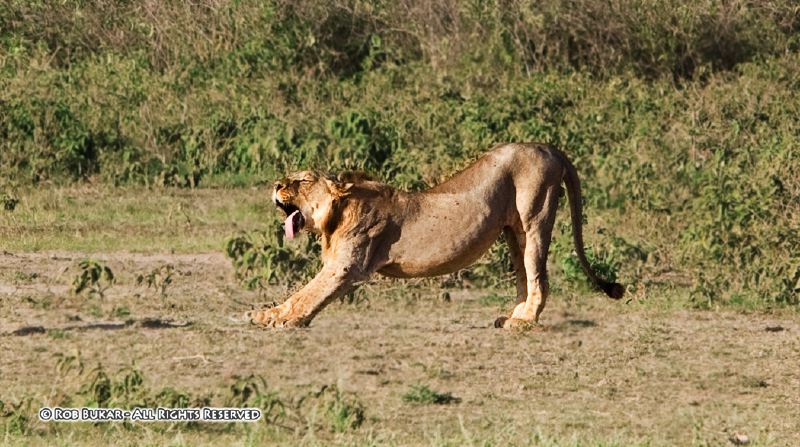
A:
{"x": 94, "y": 278}
{"x": 253, "y": 392}
{"x": 574, "y": 273}
{"x": 261, "y": 258}
{"x": 680, "y": 116}
{"x": 421, "y": 394}
{"x": 328, "y": 410}
{"x": 9, "y": 202}
{"x": 158, "y": 279}
{"x": 340, "y": 411}
{"x": 15, "y": 417}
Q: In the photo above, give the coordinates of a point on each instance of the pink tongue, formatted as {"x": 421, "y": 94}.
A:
{"x": 288, "y": 225}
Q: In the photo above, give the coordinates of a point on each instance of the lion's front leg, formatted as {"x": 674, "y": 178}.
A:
{"x": 298, "y": 311}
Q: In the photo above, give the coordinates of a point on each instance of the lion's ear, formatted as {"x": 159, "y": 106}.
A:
{"x": 338, "y": 189}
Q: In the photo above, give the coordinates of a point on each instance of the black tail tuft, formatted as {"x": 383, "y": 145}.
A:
{"x": 614, "y": 290}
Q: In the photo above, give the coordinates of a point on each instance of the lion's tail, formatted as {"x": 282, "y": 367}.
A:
{"x": 612, "y": 289}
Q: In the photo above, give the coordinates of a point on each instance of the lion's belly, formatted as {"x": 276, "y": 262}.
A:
{"x": 438, "y": 243}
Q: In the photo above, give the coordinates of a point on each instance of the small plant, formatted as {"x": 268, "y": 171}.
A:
{"x": 158, "y": 279}
{"x": 95, "y": 278}
{"x": 96, "y": 311}
{"x": 56, "y": 334}
{"x": 421, "y": 394}
{"x": 252, "y": 391}
{"x": 25, "y": 277}
{"x": 341, "y": 411}
{"x": 172, "y": 398}
{"x": 98, "y": 389}
{"x": 125, "y": 389}
{"x": 9, "y": 202}
{"x": 66, "y": 364}
{"x": 120, "y": 312}
{"x": 14, "y": 417}
{"x": 345, "y": 412}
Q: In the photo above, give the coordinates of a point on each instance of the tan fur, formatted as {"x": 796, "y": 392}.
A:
{"x": 366, "y": 227}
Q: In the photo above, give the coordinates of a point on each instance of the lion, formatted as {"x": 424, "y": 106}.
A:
{"x": 366, "y": 227}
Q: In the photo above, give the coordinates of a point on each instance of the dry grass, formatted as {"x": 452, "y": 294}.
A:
{"x": 600, "y": 373}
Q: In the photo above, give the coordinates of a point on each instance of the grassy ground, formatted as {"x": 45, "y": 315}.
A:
{"x": 101, "y": 218}
{"x": 649, "y": 371}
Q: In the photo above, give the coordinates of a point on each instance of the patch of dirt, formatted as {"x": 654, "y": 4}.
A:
{"x": 598, "y": 369}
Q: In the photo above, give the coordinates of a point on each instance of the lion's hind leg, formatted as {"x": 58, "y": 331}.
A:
{"x": 538, "y": 218}
{"x": 515, "y": 237}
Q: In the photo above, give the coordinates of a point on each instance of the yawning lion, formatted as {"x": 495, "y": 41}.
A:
{"x": 367, "y": 226}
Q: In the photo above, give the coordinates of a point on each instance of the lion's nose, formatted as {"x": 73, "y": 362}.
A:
{"x": 279, "y": 186}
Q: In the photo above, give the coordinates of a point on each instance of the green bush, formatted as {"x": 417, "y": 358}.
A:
{"x": 603, "y": 266}
{"x": 262, "y": 258}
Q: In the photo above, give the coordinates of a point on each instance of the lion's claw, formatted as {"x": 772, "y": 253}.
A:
{"x": 272, "y": 318}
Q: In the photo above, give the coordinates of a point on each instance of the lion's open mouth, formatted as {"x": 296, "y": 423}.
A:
{"x": 294, "y": 219}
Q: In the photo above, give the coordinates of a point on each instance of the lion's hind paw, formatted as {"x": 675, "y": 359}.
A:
{"x": 519, "y": 324}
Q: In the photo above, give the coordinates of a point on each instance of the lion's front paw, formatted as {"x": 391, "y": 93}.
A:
{"x": 263, "y": 317}
{"x": 273, "y": 317}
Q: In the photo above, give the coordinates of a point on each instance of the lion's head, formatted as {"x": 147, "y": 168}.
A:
{"x": 307, "y": 198}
